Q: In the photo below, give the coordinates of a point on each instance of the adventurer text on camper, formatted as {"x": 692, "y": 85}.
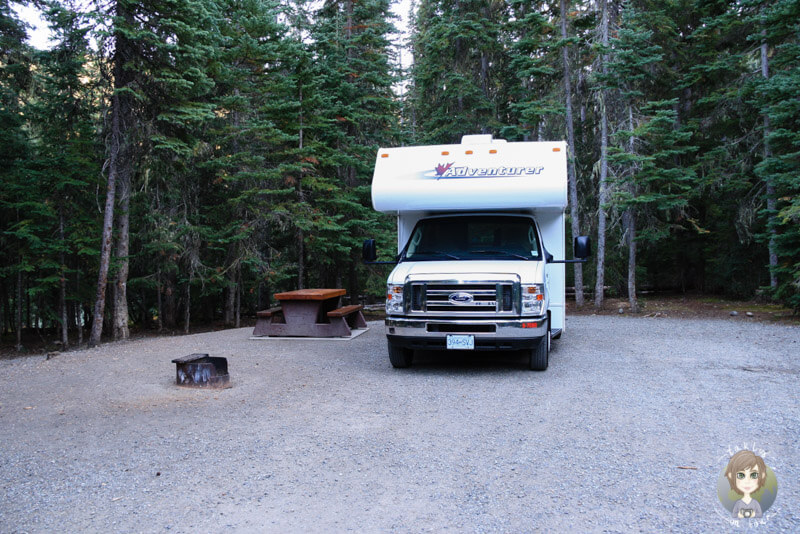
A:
{"x": 448, "y": 171}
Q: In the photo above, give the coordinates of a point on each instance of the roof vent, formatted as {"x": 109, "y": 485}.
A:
{"x": 481, "y": 139}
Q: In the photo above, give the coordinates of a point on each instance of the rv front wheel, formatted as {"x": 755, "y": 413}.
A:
{"x": 400, "y": 357}
{"x": 540, "y": 355}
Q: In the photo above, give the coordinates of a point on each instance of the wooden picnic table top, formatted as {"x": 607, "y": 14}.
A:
{"x": 310, "y": 294}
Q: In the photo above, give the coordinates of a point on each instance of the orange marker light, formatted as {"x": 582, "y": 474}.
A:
{"x": 384, "y": 155}
{"x": 468, "y": 152}
{"x": 557, "y": 149}
{"x": 493, "y": 151}
{"x": 445, "y": 153}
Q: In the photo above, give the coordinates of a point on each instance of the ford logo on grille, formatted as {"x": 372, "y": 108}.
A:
{"x": 460, "y": 298}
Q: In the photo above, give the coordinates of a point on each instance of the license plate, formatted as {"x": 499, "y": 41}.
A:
{"x": 456, "y": 342}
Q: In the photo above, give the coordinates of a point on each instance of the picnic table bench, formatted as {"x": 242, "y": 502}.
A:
{"x": 310, "y": 313}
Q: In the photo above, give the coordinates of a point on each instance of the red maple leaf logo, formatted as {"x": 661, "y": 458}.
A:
{"x": 441, "y": 169}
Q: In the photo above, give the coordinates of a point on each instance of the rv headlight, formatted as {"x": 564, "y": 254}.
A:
{"x": 394, "y": 299}
{"x": 533, "y": 299}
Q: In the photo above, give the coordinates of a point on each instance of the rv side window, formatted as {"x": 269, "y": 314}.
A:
{"x": 474, "y": 237}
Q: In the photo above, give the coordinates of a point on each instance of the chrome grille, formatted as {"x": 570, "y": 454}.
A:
{"x": 449, "y": 298}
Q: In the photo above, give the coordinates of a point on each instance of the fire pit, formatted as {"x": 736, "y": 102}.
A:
{"x": 201, "y": 370}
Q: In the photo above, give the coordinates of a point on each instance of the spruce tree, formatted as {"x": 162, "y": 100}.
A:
{"x": 63, "y": 122}
{"x": 160, "y": 54}
{"x": 653, "y": 183}
{"x": 535, "y": 112}
{"x": 458, "y": 69}
{"x": 572, "y": 174}
{"x": 719, "y": 105}
{"x": 18, "y": 188}
{"x": 356, "y": 78}
{"x": 255, "y": 143}
{"x": 778, "y": 27}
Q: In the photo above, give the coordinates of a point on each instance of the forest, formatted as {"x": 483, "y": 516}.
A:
{"x": 169, "y": 163}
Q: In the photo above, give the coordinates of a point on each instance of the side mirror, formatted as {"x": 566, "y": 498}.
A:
{"x": 582, "y": 247}
{"x": 368, "y": 251}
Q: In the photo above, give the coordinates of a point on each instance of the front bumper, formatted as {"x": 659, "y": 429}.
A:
{"x": 490, "y": 334}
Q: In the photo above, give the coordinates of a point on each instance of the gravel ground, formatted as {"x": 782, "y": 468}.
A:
{"x": 325, "y": 436}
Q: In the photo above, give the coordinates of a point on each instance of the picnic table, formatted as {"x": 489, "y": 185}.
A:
{"x": 310, "y": 313}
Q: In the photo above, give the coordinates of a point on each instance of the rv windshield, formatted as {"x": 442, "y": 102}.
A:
{"x": 478, "y": 237}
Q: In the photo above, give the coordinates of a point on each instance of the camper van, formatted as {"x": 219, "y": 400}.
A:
{"x": 480, "y": 240}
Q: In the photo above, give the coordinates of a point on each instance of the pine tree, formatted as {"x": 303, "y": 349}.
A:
{"x": 356, "y": 78}
{"x": 572, "y": 175}
{"x": 458, "y": 67}
{"x": 534, "y": 109}
{"x": 779, "y": 27}
{"x": 603, "y": 180}
{"x": 63, "y": 121}
{"x": 653, "y": 185}
{"x": 160, "y": 54}
{"x": 718, "y": 104}
{"x": 17, "y": 187}
{"x": 255, "y": 142}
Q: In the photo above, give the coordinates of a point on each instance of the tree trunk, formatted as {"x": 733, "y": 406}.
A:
{"x": 3, "y": 308}
{"x": 121, "y": 108}
{"x": 238, "y": 297}
{"x": 144, "y": 314}
{"x": 228, "y": 316}
{"x": 78, "y": 307}
{"x": 354, "y": 286}
{"x": 62, "y": 296}
{"x": 28, "y": 307}
{"x": 19, "y": 310}
{"x": 123, "y": 79}
{"x": 231, "y": 259}
{"x": 108, "y": 227}
{"x": 301, "y": 263}
{"x": 629, "y": 220}
{"x": 120, "y": 323}
{"x": 187, "y": 313}
{"x": 603, "y": 186}
{"x": 485, "y": 78}
{"x": 573, "y": 184}
{"x": 230, "y": 293}
{"x": 301, "y": 267}
{"x": 170, "y": 313}
{"x": 35, "y": 325}
{"x": 629, "y": 224}
{"x": 771, "y": 204}
{"x": 160, "y": 321}
{"x": 300, "y": 117}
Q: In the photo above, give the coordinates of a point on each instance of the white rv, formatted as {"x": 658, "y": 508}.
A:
{"x": 480, "y": 239}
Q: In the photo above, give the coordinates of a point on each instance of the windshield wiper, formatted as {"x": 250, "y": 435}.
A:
{"x": 434, "y": 253}
{"x": 501, "y": 252}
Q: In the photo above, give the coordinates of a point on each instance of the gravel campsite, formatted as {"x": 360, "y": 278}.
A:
{"x": 627, "y": 430}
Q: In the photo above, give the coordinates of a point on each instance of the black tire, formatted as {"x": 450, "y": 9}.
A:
{"x": 400, "y": 357}
{"x": 540, "y": 355}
